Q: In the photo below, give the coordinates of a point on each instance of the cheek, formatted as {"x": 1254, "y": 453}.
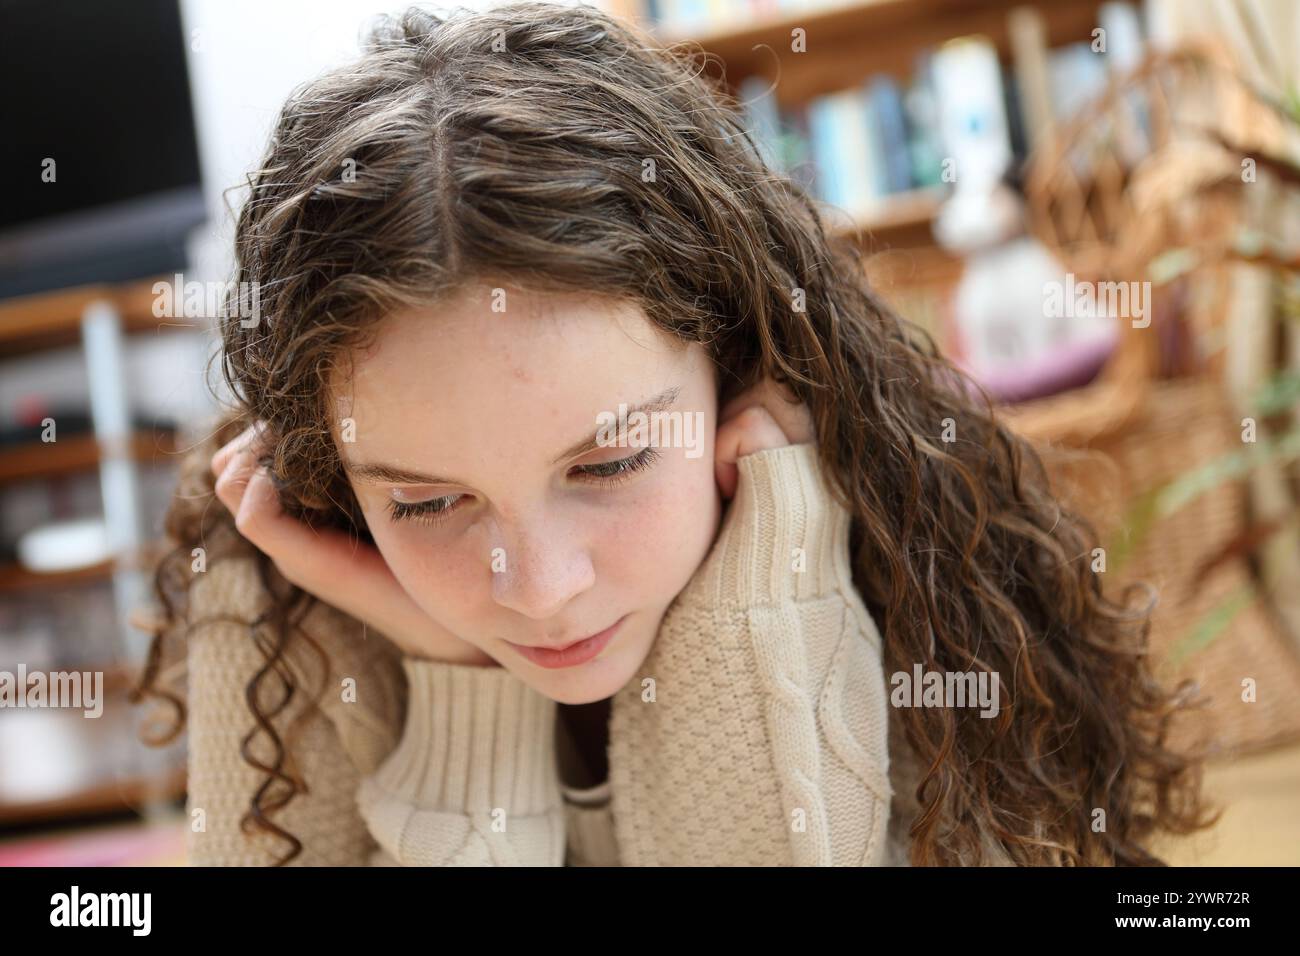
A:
{"x": 658, "y": 539}
{"x": 438, "y": 578}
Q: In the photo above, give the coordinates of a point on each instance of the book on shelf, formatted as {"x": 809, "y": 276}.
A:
{"x": 960, "y": 113}
{"x": 854, "y": 148}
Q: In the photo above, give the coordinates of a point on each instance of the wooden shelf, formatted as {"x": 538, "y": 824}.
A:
{"x": 118, "y": 678}
{"x": 78, "y": 453}
{"x": 872, "y": 36}
{"x": 85, "y": 767}
{"x": 46, "y": 460}
{"x": 901, "y": 219}
{"x": 108, "y": 797}
{"x": 53, "y": 319}
{"x": 848, "y": 43}
{"x": 14, "y": 577}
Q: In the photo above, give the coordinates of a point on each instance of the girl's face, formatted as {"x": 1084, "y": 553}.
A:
{"x": 476, "y": 452}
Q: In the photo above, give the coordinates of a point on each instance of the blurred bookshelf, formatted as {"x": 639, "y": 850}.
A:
{"x": 14, "y": 577}
{"x": 52, "y": 320}
{"x": 840, "y": 95}
{"x": 48, "y": 459}
{"x": 96, "y": 793}
{"x": 852, "y": 38}
{"x": 54, "y": 765}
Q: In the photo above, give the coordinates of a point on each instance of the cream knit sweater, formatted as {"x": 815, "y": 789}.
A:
{"x": 755, "y": 733}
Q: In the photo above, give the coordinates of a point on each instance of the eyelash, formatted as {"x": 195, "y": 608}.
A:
{"x": 609, "y": 473}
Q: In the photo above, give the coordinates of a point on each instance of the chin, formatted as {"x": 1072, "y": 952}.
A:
{"x": 587, "y": 694}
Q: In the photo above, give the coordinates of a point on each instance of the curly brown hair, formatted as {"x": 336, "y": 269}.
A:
{"x": 516, "y": 141}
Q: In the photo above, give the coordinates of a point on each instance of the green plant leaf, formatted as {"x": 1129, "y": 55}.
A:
{"x": 1278, "y": 394}
{"x": 1211, "y": 626}
{"x": 1155, "y": 504}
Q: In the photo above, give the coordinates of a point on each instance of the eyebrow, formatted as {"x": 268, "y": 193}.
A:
{"x": 376, "y": 473}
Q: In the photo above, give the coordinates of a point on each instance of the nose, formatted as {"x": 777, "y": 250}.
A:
{"x": 544, "y": 570}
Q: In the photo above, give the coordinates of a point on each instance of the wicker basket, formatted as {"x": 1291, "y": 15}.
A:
{"x": 1106, "y": 198}
{"x": 1184, "y": 423}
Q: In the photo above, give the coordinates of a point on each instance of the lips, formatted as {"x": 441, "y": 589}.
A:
{"x": 571, "y": 655}
{"x": 565, "y": 647}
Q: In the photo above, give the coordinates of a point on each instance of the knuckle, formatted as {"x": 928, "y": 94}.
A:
{"x": 246, "y": 522}
{"x": 227, "y": 486}
{"x": 222, "y": 489}
{"x": 755, "y": 416}
{"x": 231, "y": 448}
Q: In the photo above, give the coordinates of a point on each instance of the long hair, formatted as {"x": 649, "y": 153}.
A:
{"x": 562, "y": 148}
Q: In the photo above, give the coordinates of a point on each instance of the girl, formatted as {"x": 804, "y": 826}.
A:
{"x": 433, "y": 614}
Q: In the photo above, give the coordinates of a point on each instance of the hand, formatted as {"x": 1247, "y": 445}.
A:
{"x": 765, "y": 416}
{"x": 341, "y": 571}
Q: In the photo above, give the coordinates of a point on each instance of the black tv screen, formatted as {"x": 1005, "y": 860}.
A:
{"x": 100, "y": 156}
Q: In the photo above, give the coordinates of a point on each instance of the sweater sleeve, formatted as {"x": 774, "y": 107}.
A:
{"x": 474, "y": 779}
{"x": 759, "y": 718}
{"x": 327, "y": 746}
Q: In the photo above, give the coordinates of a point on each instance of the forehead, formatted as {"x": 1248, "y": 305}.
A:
{"x": 488, "y": 338}
{"x": 509, "y": 373}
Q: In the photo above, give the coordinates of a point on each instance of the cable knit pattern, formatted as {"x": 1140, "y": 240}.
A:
{"x": 755, "y": 733}
{"x": 332, "y": 744}
{"x": 766, "y": 741}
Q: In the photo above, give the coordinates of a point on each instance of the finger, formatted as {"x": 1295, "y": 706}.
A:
{"x": 228, "y": 451}
{"x": 796, "y": 420}
{"x": 751, "y": 431}
{"x": 260, "y": 519}
{"x": 233, "y": 480}
{"x": 754, "y": 430}
{"x": 737, "y": 405}
{"x": 331, "y": 564}
{"x": 792, "y": 415}
{"x": 248, "y": 439}
{"x": 728, "y": 476}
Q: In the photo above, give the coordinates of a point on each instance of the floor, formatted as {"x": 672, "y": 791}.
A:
{"x": 1261, "y": 820}
{"x": 1260, "y": 827}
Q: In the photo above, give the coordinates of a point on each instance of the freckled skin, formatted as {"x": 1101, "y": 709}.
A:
{"x": 489, "y": 400}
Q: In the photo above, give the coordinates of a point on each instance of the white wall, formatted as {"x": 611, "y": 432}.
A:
{"x": 245, "y": 57}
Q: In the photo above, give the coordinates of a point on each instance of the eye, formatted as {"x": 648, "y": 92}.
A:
{"x": 613, "y": 472}
{"x": 429, "y": 512}
{"x": 435, "y": 510}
